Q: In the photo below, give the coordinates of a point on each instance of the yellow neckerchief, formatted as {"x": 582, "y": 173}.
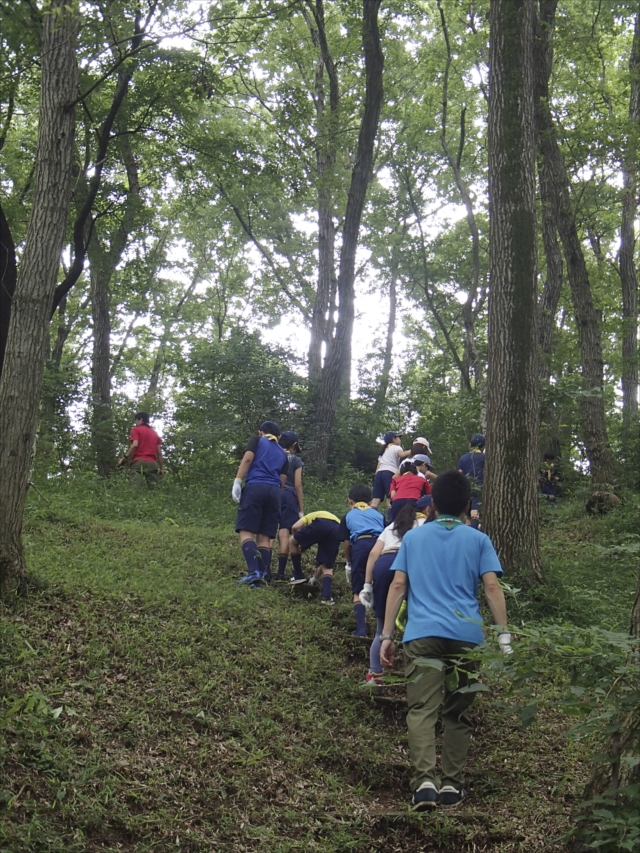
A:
{"x": 361, "y": 505}
{"x": 420, "y": 515}
{"x": 477, "y": 449}
{"x": 269, "y": 436}
{"x": 548, "y": 470}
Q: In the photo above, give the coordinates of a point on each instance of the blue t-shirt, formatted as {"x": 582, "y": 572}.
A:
{"x": 269, "y": 461}
{"x": 443, "y": 569}
{"x": 472, "y": 465}
{"x": 361, "y": 522}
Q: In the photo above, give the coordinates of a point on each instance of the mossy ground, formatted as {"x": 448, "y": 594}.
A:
{"x": 153, "y": 704}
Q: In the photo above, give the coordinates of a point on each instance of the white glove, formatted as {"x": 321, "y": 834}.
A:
{"x": 236, "y": 490}
{"x": 504, "y": 640}
{"x": 366, "y": 596}
{"x": 347, "y": 572}
{"x": 301, "y": 514}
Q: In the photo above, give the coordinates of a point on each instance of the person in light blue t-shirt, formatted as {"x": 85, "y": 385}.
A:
{"x": 439, "y": 567}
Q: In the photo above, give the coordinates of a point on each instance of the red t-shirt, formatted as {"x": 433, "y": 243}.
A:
{"x": 148, "y": 442}
{"x": 410, "y": 486}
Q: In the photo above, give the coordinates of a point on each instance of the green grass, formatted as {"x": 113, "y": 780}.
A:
{"x": 153, "y": 704}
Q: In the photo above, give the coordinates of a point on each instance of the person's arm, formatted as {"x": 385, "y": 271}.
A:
{"x": 159, "y": 460}
{"x": 347, "y": 550}
{"x": 247, "y": 459}
{"x": 404, "y": 453}
{"x": 298, "y": 525}
{"x": 495, "y": 599}
{"x": 397, "y": 594}
{"x": 374, "y": 553}
{"x": 297, "y": 482}
{"x": 283, "y": 480}
{"x": 129, "y": 453}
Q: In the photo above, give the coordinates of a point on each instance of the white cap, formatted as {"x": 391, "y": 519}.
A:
{"x": 424, "y": 441}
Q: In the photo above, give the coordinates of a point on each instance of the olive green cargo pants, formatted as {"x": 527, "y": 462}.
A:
{"x": 450, "y": 670}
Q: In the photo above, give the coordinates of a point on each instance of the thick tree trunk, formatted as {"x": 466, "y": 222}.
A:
{"x": 8, "y": 274}
{"x": 385, "y": 373}
{"x": 338, "y": 361}
{"x": 510, "y": 506}
{"x": 27, "y": 342}
{"x": 594, "y": 429}
{"x": 628, "y": 274}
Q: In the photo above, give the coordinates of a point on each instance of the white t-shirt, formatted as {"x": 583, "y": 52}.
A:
{"x": 389, "y": 460}
{"x": 390, "y": 540}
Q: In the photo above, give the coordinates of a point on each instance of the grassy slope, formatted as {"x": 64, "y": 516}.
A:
{"x": 198, "y": 715}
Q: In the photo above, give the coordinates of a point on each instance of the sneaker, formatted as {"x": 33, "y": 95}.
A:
{"x": 267, "y": 577}
{"x": 450, "y": 796}
{"x": 328, "y": 601}
{"x": 279, "y": 579}
{"x": 314, "y": 580}
{"x": 426, "y": 797}
{"x": 374, "y": 679}
{"x": 296, "y": 581}
{"x": 253, "y": 577}
{"x": 359, "y": 635}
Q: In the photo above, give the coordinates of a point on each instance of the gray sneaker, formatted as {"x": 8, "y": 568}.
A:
{"x": 329, "y": 601}
{"x": 296, "y": 581}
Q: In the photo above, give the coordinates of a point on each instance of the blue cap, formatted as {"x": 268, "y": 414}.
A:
{"x": 424, "y": 502}
{"x": 270, "y": 427}
{"x": 477, "y": 440}
{"x": 422, "y": 458}
{"x": 389, "y": 436}
{"x": 288, "y": 438}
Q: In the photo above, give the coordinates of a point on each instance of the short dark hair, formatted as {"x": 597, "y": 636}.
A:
{"x": 359, "y": 493}
{"x": 407, "y": 465}
{"x": 451, "y": 492}
{"x": 270, "y": 427}
{"x": 142, "y": 416}
{"x": 549, "y": 455}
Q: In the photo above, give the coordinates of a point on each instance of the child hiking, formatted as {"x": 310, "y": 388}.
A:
{"x": 292, "y": 503}
{"x": 389, "y": 460}
{"x": 321, "y": 529}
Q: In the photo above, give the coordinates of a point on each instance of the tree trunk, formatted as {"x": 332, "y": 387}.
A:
{"x": 628, "y": 275}
{"x": 27, "y": 342}
{"x": 510, "y": 503}
{"x": 594, "y": 429}
{"x": 102, "y": 434}
{"x": 7, "y": 281}
{"x": 338, "y": 361}
{"x": 383, "y": 382}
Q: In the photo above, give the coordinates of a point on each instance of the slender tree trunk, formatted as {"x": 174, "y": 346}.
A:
{"x": 338, "y": 362}
{"x": 8, "y": 273}
{"x": 102, "y": 433}
{"x": 383, "y": 382}
{"x": 27, "y": 342}
{"x": 594, "y": 429}
{"x": 628, "y": 274}
{"x": 510, "y": 506}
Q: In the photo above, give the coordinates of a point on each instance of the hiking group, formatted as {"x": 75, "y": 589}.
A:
{"x": 427, "y": 557}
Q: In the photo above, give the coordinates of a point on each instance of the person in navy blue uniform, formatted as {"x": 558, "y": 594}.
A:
{"x": 292, "y": 506}
{"x": 359, "y": 530}
{"x": 471, "y": 464}
{"x": 264, "y": 469}
{"x": 549, "y": 478}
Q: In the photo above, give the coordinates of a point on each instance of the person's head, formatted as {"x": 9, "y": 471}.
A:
{"x": 289, "y": 440}
{"x": 143, "y": 417}
{"x": 451, "y": 493}
{"x": 269, "y": 428}
{"x": 420, "y": 445}
{"x": 549, "y": 456}
{"x": 359, "y": 493}
{"x": 422, "y": 462}
{"x": 408, "y": 468}
{"x": 404, "y": 520}
{"x": 477, "y": 440}
{"x": 391, "y": 438}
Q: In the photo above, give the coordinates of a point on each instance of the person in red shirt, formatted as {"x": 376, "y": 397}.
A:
{"x": 407, "y": 487}
{"x": 144, "y": 454}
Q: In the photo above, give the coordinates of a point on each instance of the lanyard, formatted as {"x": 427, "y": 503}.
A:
{"x": 448, "y": 521}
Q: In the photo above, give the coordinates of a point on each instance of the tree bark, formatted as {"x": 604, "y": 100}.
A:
{"x": 510, "y": 505}
{"x": 8, "y": 274}
{"x": 385, "y": 373}
{"x": 628, "y": 273}
{"x": 594, "y": 429}
{"x": 27, "y": 342}
{"x": 338, "y": 361}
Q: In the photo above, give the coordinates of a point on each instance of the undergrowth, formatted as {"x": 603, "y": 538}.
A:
{"x": 153, "y": 704}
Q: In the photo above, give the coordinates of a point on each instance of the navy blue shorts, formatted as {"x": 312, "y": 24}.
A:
{"x": 382, "y": 484}
{"x": 259, "y": 510}
{"x": 382, "y": 577}
{"x": 397, "y": 505}
{"x": 289, "y": 509}
{"x": 322, "y": 532}
{"x": 360, "y": 550}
